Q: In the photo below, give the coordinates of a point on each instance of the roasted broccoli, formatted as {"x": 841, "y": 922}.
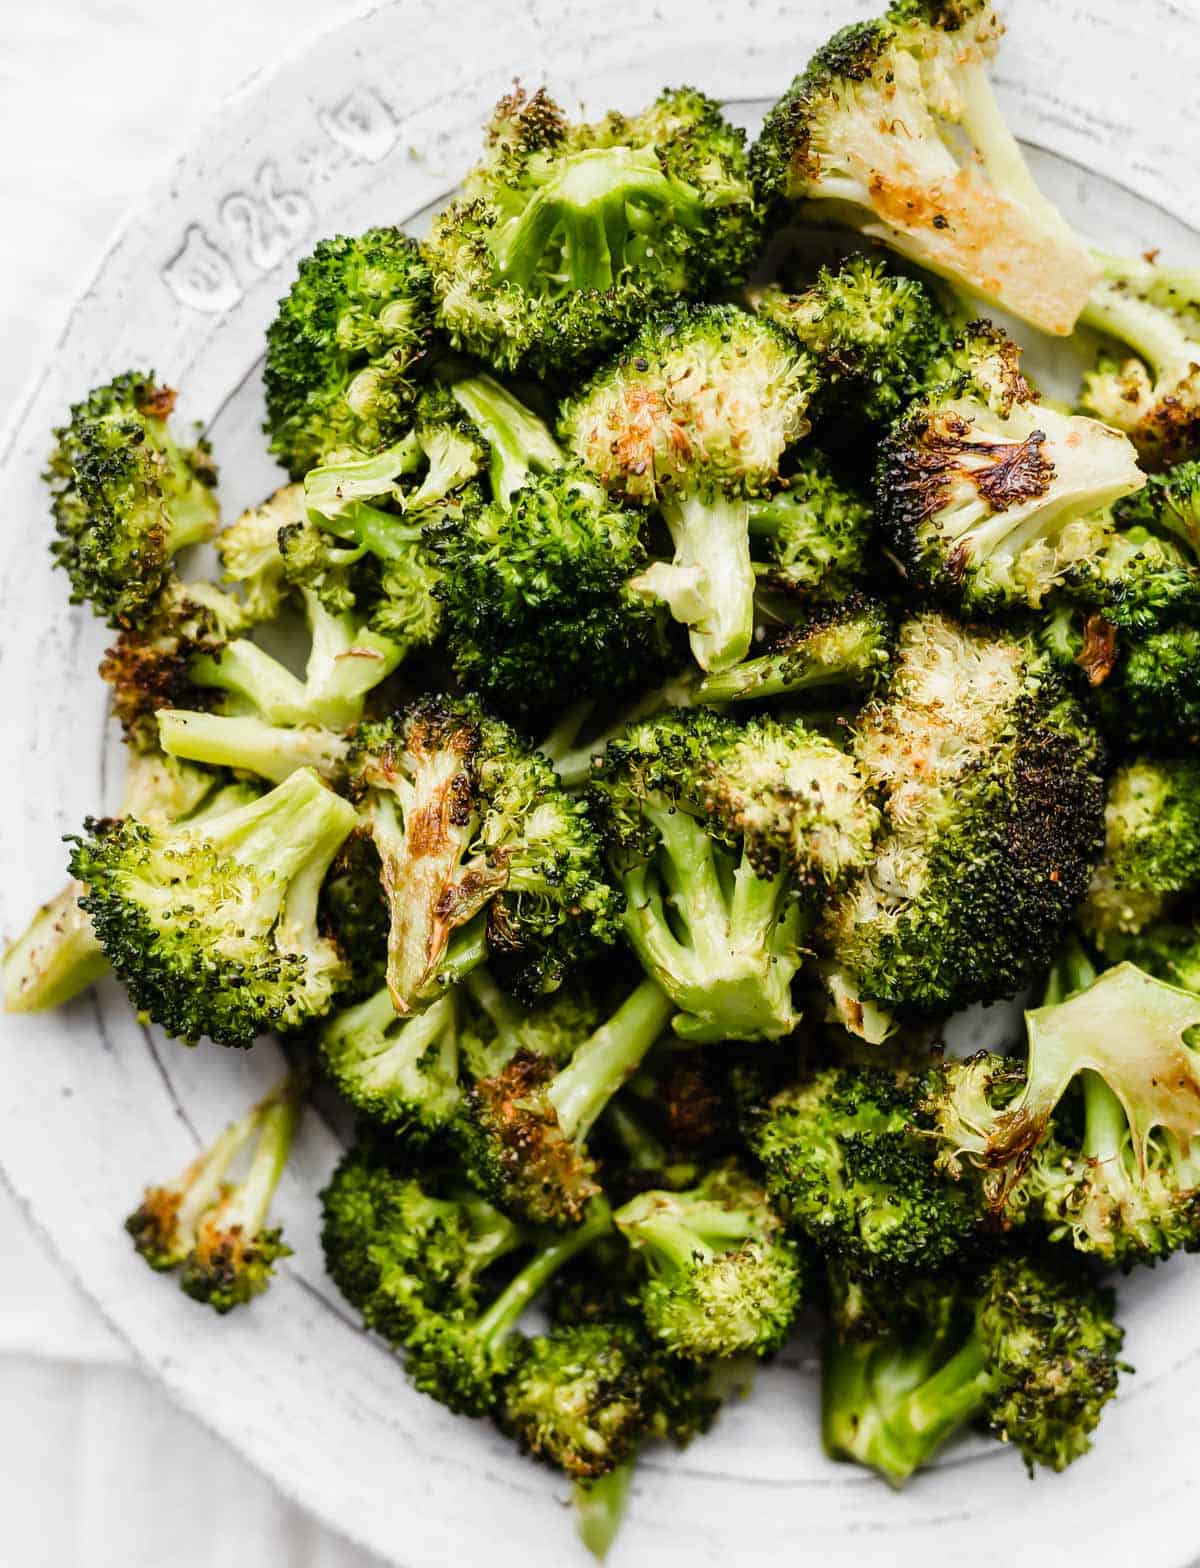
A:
{"x": 126, "y": 497}
{"x": 894, "y": 130}
{"x": 813, "y": 539}
{"x": 564, "y": 236}
{"x": 214, "y": 1231}
{"x": 845, "y": 645}
{"x": 694, "y": 416}
{"x": 400, "y": 1071}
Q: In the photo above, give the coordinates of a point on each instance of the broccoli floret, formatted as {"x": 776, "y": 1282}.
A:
{"x": 694, "y": 416}
{"x": 878, "y": 338}
{"x": 992, "y": 499}
{"x": 462, "y": 1357}
{"x": 705, "y": 822}
{"x": 848, "y": 644}
{"x": 538, "y": 604}
{"x": 214, "y": 1231}
{"x": 848, "y": 1159}
{"x": 1145, "y": 684}
{"x": 1125, "y": 1184}
{"x": 1031, "y": 1350}
{"x": 1154, "y": 396}
{"x": 585, "y": 1396}
{"x": 471, "y": 826}
{"x": 565, "y": 235}
{"x": 498, "y": 1026}
{"x": 525, "y": 1141}
{"x": 212, "y": 927}
{"x": 722, "y": 1277}
{"x": 344, "y": 348}
{"x": 400, "y": 1245}
{"x": 250, "y": 554}
{"x": 126, "y": 497}
{"x": 813, "y": 539}
{"x": 354, "y": 913}
{"x": 894, "y": 130}
{"x": 992, "y": 821}
{"x": 399, "y": 1071}
{"x": 1151, "y": 847}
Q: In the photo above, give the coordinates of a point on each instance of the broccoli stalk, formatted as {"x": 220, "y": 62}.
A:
{"x": 722, "y": 1280}
{"x": 1033, "y": 1354}
{"x": 212, "y": 926}
{"x": 55, "y": 958}
{"x": 215, "y": 1231}
{"x": 461, "y": 1358}
{"x": 251, "y": 744}
{"x": 525, "y": 1140}
{"x": 600, "y": 1506}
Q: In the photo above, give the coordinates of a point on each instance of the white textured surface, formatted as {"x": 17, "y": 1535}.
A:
{"x": 98, "y": 1469}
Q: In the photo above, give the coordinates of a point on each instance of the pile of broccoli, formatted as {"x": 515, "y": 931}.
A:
{"x": 673, "y": 740}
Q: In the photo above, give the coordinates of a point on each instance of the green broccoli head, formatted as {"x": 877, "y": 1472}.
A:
{"x": 1030, "y": 1349}
{"x": 848, "y": 1160}
{"x": 876, "y": 335}
{"x": 1153, "y": 394}
{"x": 994, "y": 500}
{"x": 469, "y": 822}
{"x": 992, "y": 819}
{"x": 722, "y": 1277}
{"x": 126, "y": 497}
{"x": 214, "y": 1231}
{"x": 212, "y": 926}
{"x": 400, "y": 1246}
{"x": 354, "y": 913}
{"x": 1151, "y": 847}
{"x": 894, "y": 130}
{"x": 565, "y": 235}
{"x": 401, "y": 1072}
{"x": 848, "y": 644}
{"x": 814, "y": 538}
{"x": 344, "y": 347}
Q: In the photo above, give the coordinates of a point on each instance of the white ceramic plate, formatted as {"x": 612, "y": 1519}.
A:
{"x": 375, "y": 124}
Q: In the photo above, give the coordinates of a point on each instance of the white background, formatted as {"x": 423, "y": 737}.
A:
{"x": 97, "y": 1470}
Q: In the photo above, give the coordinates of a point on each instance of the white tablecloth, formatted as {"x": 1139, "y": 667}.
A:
{"x": 97, "y": 1469}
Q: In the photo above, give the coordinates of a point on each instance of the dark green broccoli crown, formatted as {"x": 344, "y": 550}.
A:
{"x": 538, "y": 607}
{"x": 1152, "y": 696}
{"x": 565, "y": 235}
{"x": 344, "y": 346}
{"x": 212, "y": 928}
{"x": 582, "y": 1397}
{"x": 1050, "y": 1347}
{"x": 1152, "y": 846}
{"x": 1168, "y": 504}
{"x": 705, "y": 399}
{"x": 354, "y": 914}
{"x": 847, "y": 1160}
{"x": 447, "y": 1360}
{"x": 992, "y": 805}
{"x": 126, "y": 498}
{"x": 722, "y": 1278}
{"x": 782, "y": 158}
{"x": 875, "y": 335}
{"x": 397, "y": 1249}
{"x": 814, "y": 537}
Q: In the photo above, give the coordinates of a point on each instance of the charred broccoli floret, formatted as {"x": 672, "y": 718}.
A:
{"x": 1151, "y": 847}
{"x": 849, "y": 1162}
{"x": 539, "y": 610}
{"x": 214, "y": 1231}
{"x": 212, "y": 926}
{"x": 1030, "y": 1350}
{"x": 722, "y": 1277}
{"x": 992, "y": 822}
{"x": 878, "y": 338}
{"x": 343, "y": 350}
{"x": 894, "y": 130}
{"x": 565, "y": 235}
{"x": 993, "y": 500}
{"x": 399, "y": 1245}
{"x": 846, "y": 645}
{"x": 712, "y": 827}
{"x": 694, "y": 416}
{"x": 126, "y": 497}
{"x": 471, "y": 826}
{"x": 1155, "y": 395}
{"x": 525, "y": 1140}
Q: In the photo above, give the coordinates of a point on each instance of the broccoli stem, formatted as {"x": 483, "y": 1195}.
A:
{"x": 709, "y": 586}
{"x": 989, "y": 134}
{"x": 600, "y": 1507}
{"x": 500, "y": 1009}
{"x": 55, "y": 958}
{"x": 799, "y": 664}
{"x": 244, "y": 1212}
{"x": 1141, "y": 326}
{"x": 334, "y": 490}
{"x": 582, "y": 1089}
{"x": 520, "y": 443}
{"x": 250, "y": 744}
{"x": 643, "y": 1151}
{"x": 245, "y": 671}
{"x": 922, "y": 1421}
{"x": 573, "y": 760}
{"x": 502, "y": 1317}
{"x": 289, "y": 836}
{"x": 681, "y": 1243}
